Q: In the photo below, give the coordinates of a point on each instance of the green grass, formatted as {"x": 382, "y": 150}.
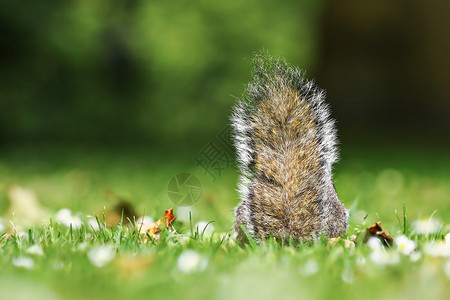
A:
{"x": 375, "y": 185}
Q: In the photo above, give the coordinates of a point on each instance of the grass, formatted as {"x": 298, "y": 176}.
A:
{"x": 396, "y": 188}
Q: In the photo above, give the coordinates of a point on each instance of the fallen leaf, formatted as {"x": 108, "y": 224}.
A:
{"x": 169, "y": 217}
{"x": 153, "y": 230}
{"x": 376, "y": 231}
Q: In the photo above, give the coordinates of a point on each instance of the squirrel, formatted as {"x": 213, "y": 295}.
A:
{"x": 286, "y": 144}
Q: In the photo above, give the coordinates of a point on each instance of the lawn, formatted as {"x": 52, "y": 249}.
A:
{"x": 407, "y": 190}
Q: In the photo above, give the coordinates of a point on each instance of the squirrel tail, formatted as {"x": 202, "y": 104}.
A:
{"x": 286, "y": 145}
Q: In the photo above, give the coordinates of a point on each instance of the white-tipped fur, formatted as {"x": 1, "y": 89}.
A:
{"x": 275, "y": 78}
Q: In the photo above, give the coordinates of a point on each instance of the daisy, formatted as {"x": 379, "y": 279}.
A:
{"x": 144, "y": 220}
{"x": 204, "y": 228}
{"x": 23, "y": 262}
{"x": 438, "y": 249}
{"x": 384, "y": 257}
{"x": 185, "y": 213}
{"x": 374, "y": 244}
{"x": 35, "y": 250}
{"x": 404, "y": 244}
{"x": 178, "y": 239}
{"x": 64, "y": 216}
{"x": 92, "y": 223}
{"x": 190, "y": 261}
{"x": 426, "y": 226}
{"x": 100, "y": 256}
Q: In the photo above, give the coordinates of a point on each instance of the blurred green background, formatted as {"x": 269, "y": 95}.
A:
{"x": 103, "y": 101}
{"x": 161, "y": 73}
{"x": 121, "y": 95}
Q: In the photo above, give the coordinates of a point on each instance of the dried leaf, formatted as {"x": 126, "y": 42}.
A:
{"x": 153, "y": 230}
{"x": 376, "y": 231}
{"x": 169, "y": 217}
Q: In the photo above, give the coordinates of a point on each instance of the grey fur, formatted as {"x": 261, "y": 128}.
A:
{"x": 286, "y": 146}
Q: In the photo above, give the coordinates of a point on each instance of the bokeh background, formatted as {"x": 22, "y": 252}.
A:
{"x": 101, "y": 96}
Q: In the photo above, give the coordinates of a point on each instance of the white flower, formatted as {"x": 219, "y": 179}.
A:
{"x": 100, "y": 256}
{"x": 309, "y": 268}
{"x": 374, "y": 244}
{"x": 185, "y": 213}
{"x": 65, "y": 217}
{"x": 144, "y": 220}
{"x": 23, "y": 262}
{"x": 204, "y": 228}
{"x": 223, "y": 237}
{"x": 82, "y": 246}
{"x": 426, "y": 226}
{"x": 146, "y": 223}
{"x": 447, "y": 238}
{"x": 181, "y": 239}
{"x": 21, "y": 236}
{"x": 405, "y": 245}
{"x": 440, "y": 249}
{"x": 384, "y": 257}
{"x": 93, "y": 224}
{"x": 35, "y": 250}
{"x": 191, "y": 261}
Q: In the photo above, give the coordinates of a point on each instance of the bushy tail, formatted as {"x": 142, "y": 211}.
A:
{"x": 286, "y": 145}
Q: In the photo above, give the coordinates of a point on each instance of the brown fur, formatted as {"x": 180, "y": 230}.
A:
{"x": 289, "y": 192}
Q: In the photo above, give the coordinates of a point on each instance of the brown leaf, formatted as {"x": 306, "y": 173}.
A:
{"x": 154, "y": 229}
{"x": 169, "y": 217}
{"x": 376, "y": 231}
